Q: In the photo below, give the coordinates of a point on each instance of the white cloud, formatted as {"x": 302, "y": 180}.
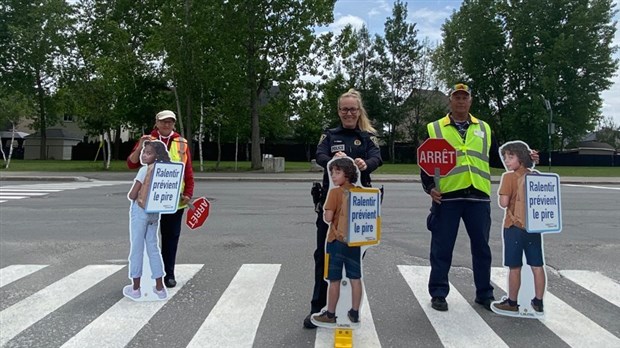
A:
{"x": 373, "y": 12}
{"x": 428, "y": 22}
{"x": 343, "y": 21}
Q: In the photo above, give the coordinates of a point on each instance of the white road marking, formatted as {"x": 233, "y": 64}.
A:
{"x": 602, "y": 286}
{"x": 13, "y": 192}
{"x": 567, "y": 323}
{"x": 12, "y": 273}
{"x": 594, "y": 186}
{"x": 234, "y": 319}
{"x": 23, "y": 314}
{"x": 364, "y": 337}
{"x": 460, "y": 326}
{"x": 117, "y": 326}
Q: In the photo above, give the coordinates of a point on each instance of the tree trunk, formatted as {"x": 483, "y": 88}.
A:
{"x": 178, "y": 102}
{"x": 256, "y": 155}
{"x": 201, "y": 130}
{"x": 254, "y": 90}
{"x": 109, "y": 147}
{"x": 42, "y": 121}
{"x": 8, "y": 160}
{"x": 117, "y": 142}
{"x": 188, "y": 125}
{"x": 104, "y": 148}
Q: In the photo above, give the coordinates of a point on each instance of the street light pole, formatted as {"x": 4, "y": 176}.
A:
{"x": 550, "y": 128}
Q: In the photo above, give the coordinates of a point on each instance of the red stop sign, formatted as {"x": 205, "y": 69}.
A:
{"x": 436, "y": 154}
{"x": 197, "y": 213}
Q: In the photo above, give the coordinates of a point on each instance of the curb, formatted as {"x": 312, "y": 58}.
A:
{"x": 385, "y": 178}
{"x": 45, "y": 178}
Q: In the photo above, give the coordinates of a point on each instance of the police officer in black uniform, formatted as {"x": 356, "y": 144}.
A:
{"x": 355, "y": 138}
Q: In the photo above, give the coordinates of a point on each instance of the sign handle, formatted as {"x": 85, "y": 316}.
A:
{"x": 436, "y": 177}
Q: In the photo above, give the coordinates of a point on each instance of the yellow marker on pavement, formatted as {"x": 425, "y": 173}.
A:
{"x": 343, "y": 338}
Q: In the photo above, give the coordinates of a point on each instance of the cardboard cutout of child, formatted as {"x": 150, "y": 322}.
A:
{"x": 146, "y": 268}
{"x": 344, "y": 262}
{"x": 525, "y": 288}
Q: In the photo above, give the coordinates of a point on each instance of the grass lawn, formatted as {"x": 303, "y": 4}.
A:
{"x": 291, "y": 167}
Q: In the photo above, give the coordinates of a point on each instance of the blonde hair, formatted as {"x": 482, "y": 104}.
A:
{"x": 363, "y": 121}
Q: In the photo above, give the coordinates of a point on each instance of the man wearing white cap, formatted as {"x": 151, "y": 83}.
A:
{"x": 170, "y": 224}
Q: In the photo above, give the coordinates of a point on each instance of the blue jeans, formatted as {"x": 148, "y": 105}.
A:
{"x": 143, "y": 231}
{"x": 444, "y": 225}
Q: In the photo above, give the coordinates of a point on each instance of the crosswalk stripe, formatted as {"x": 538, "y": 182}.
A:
{"x": 12, "y": 273}
{"x": 19, "y": 189}
{"x": 14, "y": 192}
{"x": 594, "y": 186}
{"x": 562, "y": 319}
{"x": 596, "y": 283}
{"x": 234, "y": 319}
{"x": 23, "y": 192}
{"x": 23, "y": 314}
{"x": 365, "y": 336}
{"x": 461, "y": 326}
{"x": 121, "y": 322}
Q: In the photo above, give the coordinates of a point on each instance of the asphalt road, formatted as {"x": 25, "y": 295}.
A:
{"x": 273, "y": 223}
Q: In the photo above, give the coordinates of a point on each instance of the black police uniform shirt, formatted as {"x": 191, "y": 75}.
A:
{"x": 353, "y": 142}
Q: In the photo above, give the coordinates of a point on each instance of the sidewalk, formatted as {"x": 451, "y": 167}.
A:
{"x": 254, "y": 176}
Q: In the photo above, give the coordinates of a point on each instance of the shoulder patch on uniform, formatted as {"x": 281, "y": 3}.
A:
{"x": 375, "y": 140}
{"x": 323, "y": 136}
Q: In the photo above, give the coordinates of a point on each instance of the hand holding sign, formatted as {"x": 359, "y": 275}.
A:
{"x": 197, "y": 213}
{"x": 436, "y": 157}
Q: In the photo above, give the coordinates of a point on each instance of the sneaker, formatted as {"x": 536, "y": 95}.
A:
{"x": 439, "y": 304}
{"x": 506, "y": 306}
{"x": 326, "y": 317}
{"x": 354, "y": 316}
{"x": 161, "y": 294}
{"x": 308, "y": 322}
{"x": 537, "y": 305}
{"x": 128, "y": 291}
{"x": 486, "y": 303}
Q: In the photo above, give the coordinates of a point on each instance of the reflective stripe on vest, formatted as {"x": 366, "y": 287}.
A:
{"x": 178, "y": 153}
{"x": 472, "y": 155}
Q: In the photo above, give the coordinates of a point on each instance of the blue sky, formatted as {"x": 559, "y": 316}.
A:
{"x": 429, "y": 15}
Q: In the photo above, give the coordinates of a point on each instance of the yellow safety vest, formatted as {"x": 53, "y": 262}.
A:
{"x": 178, "y": 153}
{"x": 472, "y": 154}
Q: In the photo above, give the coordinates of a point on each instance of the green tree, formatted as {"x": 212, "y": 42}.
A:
{"x": 274, "y": 39}
{"x": 609, "y": 132}
{"x": 514, "y": 54}
{"x": 474, "y": 51}
{"x": 35, "y": 48}
{"x": 113, "y": 83}
{"x": 14, "y": 106}
{"x": 400, "y": 50}
{"x": 425, "y": 103}
{"x": 310, "y": 119}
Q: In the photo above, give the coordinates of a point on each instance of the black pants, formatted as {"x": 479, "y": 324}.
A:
{"x": 319, "y": 295}
{"x": 170, "y": 227}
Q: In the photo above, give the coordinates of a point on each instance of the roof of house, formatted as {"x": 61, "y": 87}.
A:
{"x": 55, "y": 133}
{"x": 595, "y": 145}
